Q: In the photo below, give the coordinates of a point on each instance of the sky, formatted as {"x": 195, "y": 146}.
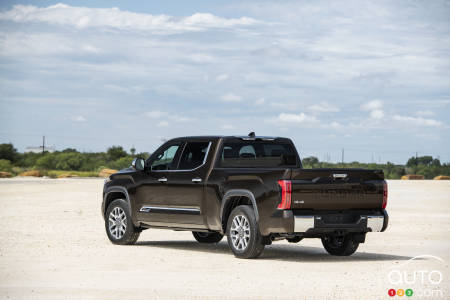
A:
{"x": 369, "y": 77}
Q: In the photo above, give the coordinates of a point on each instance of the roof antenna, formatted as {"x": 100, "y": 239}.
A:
{"x": 251, "y": 134}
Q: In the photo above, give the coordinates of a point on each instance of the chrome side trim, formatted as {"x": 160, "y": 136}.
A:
{"x": 339, "y": 175}
{"x": 303, "y": 223}
{"x": 375, "y": 223}
{"x": 170, "y": 209}
{"x": 188, "y": 170}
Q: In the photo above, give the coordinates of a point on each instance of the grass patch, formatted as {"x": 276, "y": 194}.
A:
{"x": 68, "y": 174}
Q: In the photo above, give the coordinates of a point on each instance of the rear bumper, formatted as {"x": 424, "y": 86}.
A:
{"x": 316, "y": 223}
{"x": 321, "y": 223}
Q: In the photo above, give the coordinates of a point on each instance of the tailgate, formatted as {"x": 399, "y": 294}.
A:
{"x": 336, "y": 189}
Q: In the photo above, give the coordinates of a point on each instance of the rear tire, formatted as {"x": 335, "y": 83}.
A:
{"x": 207, "y": 237}
{"x": 340, "y": 245}
{"x": 243, "y": 234}
{"x": 118, "y": 224}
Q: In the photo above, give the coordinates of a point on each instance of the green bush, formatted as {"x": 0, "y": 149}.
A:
{"x": 121, "y": 163}
{"x": 5, "y": 165}
{"x": 8, "y": 152}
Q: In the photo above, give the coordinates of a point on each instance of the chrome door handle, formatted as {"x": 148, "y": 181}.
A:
{"x": 162, "y": 179}
{"x": 196, "y": 179}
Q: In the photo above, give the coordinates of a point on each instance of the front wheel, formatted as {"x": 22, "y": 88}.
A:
{"x": 243, "y": 233}
{"x": 207, "y": 237}
{"x": 340, "y": 245}
{"x": 118, "y": 223}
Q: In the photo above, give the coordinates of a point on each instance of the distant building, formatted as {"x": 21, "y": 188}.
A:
{"x": 39, "y": 149}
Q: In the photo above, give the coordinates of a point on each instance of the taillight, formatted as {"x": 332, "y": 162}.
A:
{"x": 385, "y": 194}
{"x": 286, "y": 189}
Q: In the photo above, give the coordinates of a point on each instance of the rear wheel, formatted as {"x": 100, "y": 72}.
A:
{"x": 118, "y": 224}
{"x": 340, "y": 245}
{"x": 243, "y": 233}
{"x": 207, "y": 237}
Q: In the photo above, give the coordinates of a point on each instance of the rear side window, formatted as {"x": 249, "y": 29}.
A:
{"x": 193, "y": 155}
{"x": 257, "y": 154}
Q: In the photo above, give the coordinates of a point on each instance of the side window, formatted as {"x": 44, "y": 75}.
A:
{"x": 164, "y": 159}
{"x": 193, "y": 155}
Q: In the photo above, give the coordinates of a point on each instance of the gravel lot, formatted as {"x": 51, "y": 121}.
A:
{"x": 53, "y": 246}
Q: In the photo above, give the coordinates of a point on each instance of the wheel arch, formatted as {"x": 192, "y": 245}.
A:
{"x": 113, "y": 193}
{"x": 234, "y": 198}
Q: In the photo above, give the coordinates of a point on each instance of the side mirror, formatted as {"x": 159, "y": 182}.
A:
{"x": 138, "y": 164}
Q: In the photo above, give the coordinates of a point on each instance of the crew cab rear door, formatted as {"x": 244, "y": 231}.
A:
{"x": 335, "y": 189}
{"x": 186, "y": 185}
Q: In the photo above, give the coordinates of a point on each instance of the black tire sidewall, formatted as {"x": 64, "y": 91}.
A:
{"x": 348, "y": 247}
{"x": 130, "y": 230}
{"x": 207, "y": 237}
{"x": 255, "y": 246}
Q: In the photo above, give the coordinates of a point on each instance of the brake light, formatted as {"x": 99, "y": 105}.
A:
{"x": 385, "y": 194}
{"x": 286, "y": 189}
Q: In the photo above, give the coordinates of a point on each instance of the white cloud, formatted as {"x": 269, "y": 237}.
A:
{"x": 227, "y": 127}
{"x": 162, "y": 124}
{"x": 425, "y": 113}
{"x": 372, "y": 105}
{"x": 230, "y": 97}
{"x": 84, "y": 17}
{"x": 335, "y": 125}
{"x": 296, "y": 118}
{"x": 377, "y": 114}
{"x": 201, "y": 58}
{"x": 260, "y": 101}
{"x": 323, "y": 107}
{"x": 222, "y": 77}
{"x": 180, "y": 119}
{"x": 79, "y": 119}
{"x": 156, "y": 114}
{"x": 419, "y": 121}
{"x": 375, "y": 108}
{"x": 90, "y": 49}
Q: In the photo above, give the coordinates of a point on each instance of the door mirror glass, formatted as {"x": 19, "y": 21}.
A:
{"x": 138, "y": 164}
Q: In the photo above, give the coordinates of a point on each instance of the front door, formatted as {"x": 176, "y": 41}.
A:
{"x": 186, "y": 186}
{"x": 152, "y": 191}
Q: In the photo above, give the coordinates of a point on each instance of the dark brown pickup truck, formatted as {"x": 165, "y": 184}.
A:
{"x": 251, "y": 189}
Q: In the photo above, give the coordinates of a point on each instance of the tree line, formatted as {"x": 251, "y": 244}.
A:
{"x": 427, "y": 166}
{"x": 116, "y": 157}
{"x": 69, "y": 159}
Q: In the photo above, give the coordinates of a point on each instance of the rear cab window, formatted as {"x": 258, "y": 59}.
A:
{"x": 258, "y": 153}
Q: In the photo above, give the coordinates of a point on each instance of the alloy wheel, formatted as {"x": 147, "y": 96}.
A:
{"x": 117, "y": 222}
{"x": 240, "y": 232}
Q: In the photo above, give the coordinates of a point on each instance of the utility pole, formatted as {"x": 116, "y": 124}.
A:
{"x": 342, "y": 156}
{"x": 43, "y": 144}
{"x": 417, "y": 163}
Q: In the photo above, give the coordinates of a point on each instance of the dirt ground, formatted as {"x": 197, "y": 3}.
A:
{"x": 53, "y": 246}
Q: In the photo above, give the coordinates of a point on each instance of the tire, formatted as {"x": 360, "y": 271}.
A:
{"x": 340, "y": 245}
{"x": 118, "y": 224}
{"x": 207, "y": 237}
{"x": 243, "y": 234}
